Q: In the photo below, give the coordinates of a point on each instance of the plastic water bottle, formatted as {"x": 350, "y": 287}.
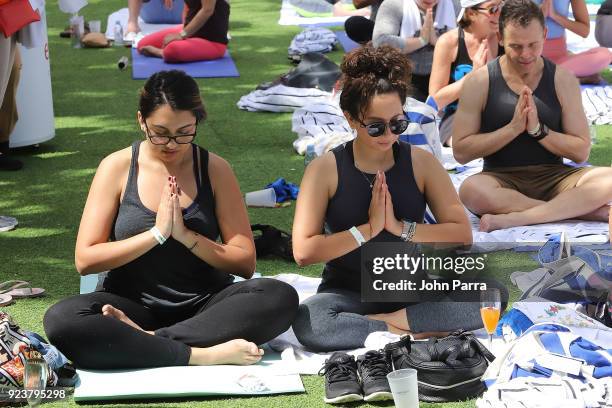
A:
{"x": 593, "y": 133}
{"x": 310, "y": 154}
{"x": 118, "y": 34}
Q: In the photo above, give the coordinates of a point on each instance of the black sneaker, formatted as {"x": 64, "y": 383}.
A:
{"x": 9, "y": 164}
{"x": 373, "y": 370}
{"x": 341, "y": 380}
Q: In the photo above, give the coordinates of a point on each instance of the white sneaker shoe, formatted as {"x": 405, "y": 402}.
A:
{"x": 128, "y": 38}
{"x": 7, "y": 223}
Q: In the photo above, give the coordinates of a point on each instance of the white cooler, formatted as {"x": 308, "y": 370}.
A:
{"x": 34, "y": 98}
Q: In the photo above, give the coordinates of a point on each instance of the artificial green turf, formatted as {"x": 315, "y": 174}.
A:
{"x": 95, "y": 110}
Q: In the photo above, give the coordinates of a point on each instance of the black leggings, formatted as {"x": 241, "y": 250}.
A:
{"x": 256, "y": 310}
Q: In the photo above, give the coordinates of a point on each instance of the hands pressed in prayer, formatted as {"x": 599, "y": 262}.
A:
{"x": 169, "y": 220}
{"x": 382, "y": 216}
{"x": 482, "y": 56}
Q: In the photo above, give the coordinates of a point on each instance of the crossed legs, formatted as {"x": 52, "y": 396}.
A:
{"x": 503, "y": 207}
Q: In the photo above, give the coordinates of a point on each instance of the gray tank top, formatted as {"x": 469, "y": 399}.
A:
{"x": 350, "y": 204}
{"x": 524, "y": 150}
{"x": 169, "y": 278}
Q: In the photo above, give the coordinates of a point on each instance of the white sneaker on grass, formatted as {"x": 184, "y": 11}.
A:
{"x": 7, "y": 223}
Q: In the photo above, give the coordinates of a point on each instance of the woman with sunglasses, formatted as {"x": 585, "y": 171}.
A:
{"x": 459, "y": 52}
{"x": 166, "y": 217}
{"x": 586, "y": 65}
{"x": 372, "y": 189}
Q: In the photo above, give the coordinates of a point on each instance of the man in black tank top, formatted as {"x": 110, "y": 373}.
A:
{"x": 523, "y": 115}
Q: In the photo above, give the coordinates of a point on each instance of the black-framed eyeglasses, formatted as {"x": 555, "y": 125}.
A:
{"x": 164, "y": 139}
{"x": 396, "y": 126}
{"x": 491, "y": 10}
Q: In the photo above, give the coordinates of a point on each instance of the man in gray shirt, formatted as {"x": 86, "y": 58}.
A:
{"x": 414, "y": 28}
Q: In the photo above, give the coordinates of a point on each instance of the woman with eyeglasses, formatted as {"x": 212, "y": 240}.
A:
{"x": 166, "y": 217}
{"x": 414, "y": 26}
{"x": 373, "y": 189}
{"x": 586, "y": 65}
{"x": 459, "y": 52}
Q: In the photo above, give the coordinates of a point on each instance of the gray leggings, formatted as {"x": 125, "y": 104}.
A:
{"x": 334, "y": 319}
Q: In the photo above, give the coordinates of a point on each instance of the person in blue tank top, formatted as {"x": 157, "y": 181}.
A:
{"x": 166, "y": 217}
{"x": 523, "y": 115}
{"x": 586, "y": 65}
{"x": 460, "y": 51}
{"x": 373, "y": 189}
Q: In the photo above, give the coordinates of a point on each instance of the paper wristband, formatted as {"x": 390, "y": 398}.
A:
{"x": 357, "y": 235}
{"x": 158, "y": 235}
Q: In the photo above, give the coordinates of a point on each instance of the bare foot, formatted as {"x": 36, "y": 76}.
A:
{"x": 151, "y": 51}
{"x": 111, "y": 311}
{"x": 492, "y": 222}
{"x": 594, "y": 79}
{"x": 239, "y": 351}
{"x": 132, "y": 27}
{"x": 396, "y": 330}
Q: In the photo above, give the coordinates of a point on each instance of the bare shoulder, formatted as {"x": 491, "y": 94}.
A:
{"x": 326, "y": 163}
{"x": 449, "y": 39}
{"x": 476, "y": 87}
{"x": 422, "y": 158}
{"x": 218, "y": 165}
{"x": 423, "y": 163}
{"x": 566, "y": 84}
{"x": 479, "y": 78}
{"x": 220, "y": 172}
{"x": 116, "y": 163}
{"x": 322, "y": 173}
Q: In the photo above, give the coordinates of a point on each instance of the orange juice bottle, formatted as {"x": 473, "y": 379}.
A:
{"x": 490, "y": 317}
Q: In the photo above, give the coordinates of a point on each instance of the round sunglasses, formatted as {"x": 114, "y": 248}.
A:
{"x": 396, "y": 126}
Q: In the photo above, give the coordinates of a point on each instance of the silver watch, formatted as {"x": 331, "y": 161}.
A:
{"x": 408, "y": 229}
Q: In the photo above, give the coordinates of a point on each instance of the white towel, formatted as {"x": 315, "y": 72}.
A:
{"x": 281, "y": 98}
{"x": 411, "y": 21}
{"x": 313, "y": 39}
{"x": 597, "y": 104}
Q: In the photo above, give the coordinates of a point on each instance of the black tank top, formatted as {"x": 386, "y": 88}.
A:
{"x": 215, "y": 28}
{"x": 169, "y": 278}
{"x": 499, "y": 110}
{"x": 350, "y": 204}
{"x": 460, "y": 67}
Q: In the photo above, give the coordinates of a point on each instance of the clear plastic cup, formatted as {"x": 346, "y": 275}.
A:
{"x": 35, "y": 380}
{"x": 95, "y": 26}
{"x": 261, "y": 198}
{"x": 404, "y": 387}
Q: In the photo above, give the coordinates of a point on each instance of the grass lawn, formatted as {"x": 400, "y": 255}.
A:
{"x": 95, "y": 109}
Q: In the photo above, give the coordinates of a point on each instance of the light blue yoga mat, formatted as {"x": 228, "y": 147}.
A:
{"x": 143, "y": 67}
{"x": 346, "y": 42}
{"x": 270, "y": 376}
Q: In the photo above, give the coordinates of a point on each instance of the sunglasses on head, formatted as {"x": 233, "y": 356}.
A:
{"x": 396, "y": 126}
